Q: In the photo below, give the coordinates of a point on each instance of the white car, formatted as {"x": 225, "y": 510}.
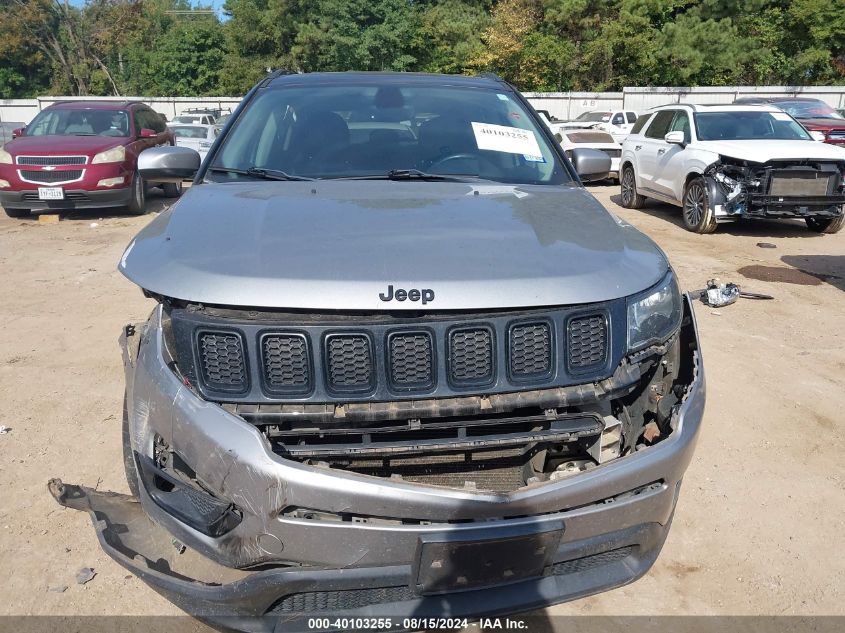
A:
{"x": 729, "y": 162}
{"x": 190, "y": 119}
{"x": 197, "y": 137}
{"x": 618, "y": 123}
{"x": 571, "y": 139}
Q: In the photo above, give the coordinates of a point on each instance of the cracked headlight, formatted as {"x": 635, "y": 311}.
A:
{"x": 113, "y": 155}
{"x": 655, "y": 314}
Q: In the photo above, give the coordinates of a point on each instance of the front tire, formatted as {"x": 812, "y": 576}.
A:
{"x": 826, "y": 225}
{"x": 698, "y": 214}
{"x": 16, "y": 213}
{"x": 138, "y": 199}
{"x": 628, "y": 185}
{"x": 172, "y": 189}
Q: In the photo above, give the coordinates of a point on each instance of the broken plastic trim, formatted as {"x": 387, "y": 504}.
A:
{"x": 197, "y": 509}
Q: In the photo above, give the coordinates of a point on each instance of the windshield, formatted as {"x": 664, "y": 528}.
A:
{"x": 809, "y": 109}
{"x": 189, "y": 131}
{"x": 599, "y": 117}
{"x": 736, "y": 126}
{"x": 366, "y": 130}
{"x": 67, "y": 122}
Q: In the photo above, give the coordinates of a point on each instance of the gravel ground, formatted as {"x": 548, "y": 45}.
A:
{"x": 760, "y": 523}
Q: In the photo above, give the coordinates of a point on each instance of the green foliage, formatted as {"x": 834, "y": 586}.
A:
{"x": 165, "y": 47}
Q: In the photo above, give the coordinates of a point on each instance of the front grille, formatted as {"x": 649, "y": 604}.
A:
{"x": 72, "y": 196}
{"x": 411, "y": 360}
{"x": 222, "y": 361}
{"x": 287, "y": 368}
{"x": 802, "y": 182}
{"x": 343, "y": 600}
{"x": 349, "y": 358}
{"x": 384, "y": 358}
{"x": 531, "y": 350}
{"x": 471, "y": 356}
{"x": 838, "y": 135}
{"x": 587, "y": 341}
{"x": 50, "y": 177}
{"x": 51, "y": 160}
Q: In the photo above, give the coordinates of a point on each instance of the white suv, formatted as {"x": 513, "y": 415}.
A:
{"x": 728, "y": 162}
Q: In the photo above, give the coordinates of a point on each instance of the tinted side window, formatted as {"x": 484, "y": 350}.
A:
{"x": 618, "y": 119}
{"x": 632, "y": 116}
{"x": 681, "y": 123}
{"x": 640, "y": 124}
{"x": 660, "y": 124}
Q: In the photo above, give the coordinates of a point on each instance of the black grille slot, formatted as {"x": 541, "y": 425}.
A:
{"x": 531, "y": 350}
{"x": 49, "y": 177}
{"x": 471, "y": 356}
{"x": 587, "y": 341}
{"x": 349, "y": 362}
{"x": 411, "y": 360}
{"x": 51, "y": 160}
{"x": 286, "y": 363}
{"x": 222, "y": 361}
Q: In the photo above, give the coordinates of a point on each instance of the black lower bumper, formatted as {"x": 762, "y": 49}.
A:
{"x": 291, "y": 598}
{"x": 794, "y": 206}
{"x": 74, "y": 199}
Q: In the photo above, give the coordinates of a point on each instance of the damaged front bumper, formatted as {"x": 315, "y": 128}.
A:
{"x": 279, "y": 542}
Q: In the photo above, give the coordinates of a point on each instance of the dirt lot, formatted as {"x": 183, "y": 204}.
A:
{"x": 760, "y": 527}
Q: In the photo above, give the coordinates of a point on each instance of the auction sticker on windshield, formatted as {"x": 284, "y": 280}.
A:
{"x": 501, "y": 138}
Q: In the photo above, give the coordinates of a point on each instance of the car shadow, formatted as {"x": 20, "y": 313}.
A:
{"x": 828, "y": 268}
{"x": 757, "y": 228}
{"x": 156, "y": 202}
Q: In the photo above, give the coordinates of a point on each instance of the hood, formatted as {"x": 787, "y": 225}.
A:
{"x": 58, "y": 145}
{"x": 762, "y": 151}
{"x": 338, "y": 245}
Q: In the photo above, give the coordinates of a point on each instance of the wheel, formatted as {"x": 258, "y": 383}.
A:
{"x": 16, "y": 213}
{"x": 137, "y": 203}
{"x": 129, "y": 466}
{"x": 698, "y": 216}
{"x": 628, "y": 183}
{"x": 172, "y": 189}
{"x": 826, "y": 225}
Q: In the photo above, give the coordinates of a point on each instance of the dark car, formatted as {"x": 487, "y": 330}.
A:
{"x": 82, "y": 155}
{"x": 403, "y": 365}
{"x": 814, "y": 114}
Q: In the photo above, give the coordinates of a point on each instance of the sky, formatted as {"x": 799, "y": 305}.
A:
{"x": 217, "y": 4}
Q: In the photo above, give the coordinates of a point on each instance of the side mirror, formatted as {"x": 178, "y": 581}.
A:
{"x": 815, "y": 134}
{"x": 148, "y": 133}
{"x": 676, "y": 138}
{"x": 168, "y": 164}
{"x": 591, "y": 164}
{"x": 18, "y": 132}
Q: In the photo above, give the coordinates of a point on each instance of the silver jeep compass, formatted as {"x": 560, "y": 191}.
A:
{"x": 402, "y": 365}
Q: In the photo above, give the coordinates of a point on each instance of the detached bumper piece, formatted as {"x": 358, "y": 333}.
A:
{"x": 289, "y": 598}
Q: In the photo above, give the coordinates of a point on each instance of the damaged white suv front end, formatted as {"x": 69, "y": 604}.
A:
{"x": 725, "y": 163}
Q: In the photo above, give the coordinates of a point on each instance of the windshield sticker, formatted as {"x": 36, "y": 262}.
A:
{"x": 502, "y": 97}
{"x": 781, "y": 116}
{"x": 534, "y": 159}
{"x": 501, "y": 138}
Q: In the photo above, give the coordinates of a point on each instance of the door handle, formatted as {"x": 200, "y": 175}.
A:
{"x": 662, "y": 150}
{"x": 637, "y": 148}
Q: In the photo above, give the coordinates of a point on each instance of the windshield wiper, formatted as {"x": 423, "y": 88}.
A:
{"x": 413, "y": 174}
{"x": 259, "y": 172}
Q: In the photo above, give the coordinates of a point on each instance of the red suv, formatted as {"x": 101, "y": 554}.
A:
{"x": 82, "y": 155}
{"x": 814, "y": 114}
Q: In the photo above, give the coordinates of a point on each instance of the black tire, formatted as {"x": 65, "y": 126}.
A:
{"x": 16, "y": 213}
{"x": 172, "y": 189}
{"x": 129, "y": 466}
{"x": 628, "y": 186}
{"x": 698, "y": 215}
{"x": 826, "y": 225}
{"x": 138, "y": 199}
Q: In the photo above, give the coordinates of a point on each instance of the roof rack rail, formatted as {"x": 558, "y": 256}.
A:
{"x": 276, "y": 72}
{"x": 491, "y": 75}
